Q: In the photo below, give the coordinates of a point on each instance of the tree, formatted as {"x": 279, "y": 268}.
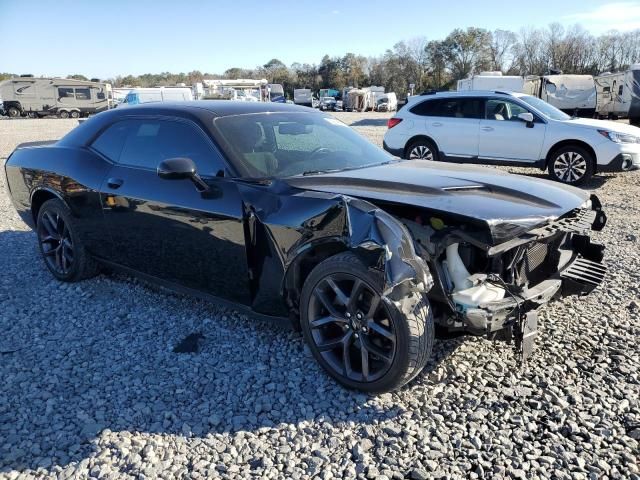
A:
{"x": 78, "y": 77}
{"x": 501, "y": 50}
{"x": 467, "y": 51}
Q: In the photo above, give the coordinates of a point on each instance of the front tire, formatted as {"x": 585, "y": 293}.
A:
{"x": 571, "y": 164}
{"x": 422, "y": 149}
{"x": 60, "y": 245}
{"x": 360, "y": 338}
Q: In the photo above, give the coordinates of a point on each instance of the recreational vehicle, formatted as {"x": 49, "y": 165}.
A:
{"x": 157, "y": 94}
{"x": 303, "y": 96}
{"x": 619, "y": 95}
{"x": 492, "y": 81}
{"x": 241, "y": 89}
{"x": 37, "y": 97}
{"x": 386, "y": 102}
{"x": 573, "y": 94}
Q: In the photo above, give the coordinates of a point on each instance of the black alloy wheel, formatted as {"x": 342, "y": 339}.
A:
{"x": 352, "y": 328}
{"x": 60, "y": 245}
{"x": 56, "y": 243}
{"x": 362, "y": 339}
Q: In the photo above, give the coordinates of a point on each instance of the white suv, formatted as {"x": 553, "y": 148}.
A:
{"x": 504, "y": 128}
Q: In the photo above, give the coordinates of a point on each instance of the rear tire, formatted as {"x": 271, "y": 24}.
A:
{"x": 75, "y": 114}
{"x": 60, "y": 244}
{"x": 422, "y": 149}
{"x": 348, "y": 324}
{"x": 571, "y": 164}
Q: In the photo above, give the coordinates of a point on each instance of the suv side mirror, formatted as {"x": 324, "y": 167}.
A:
{"x": 181, "y": 168}
{"x": 526, "y": 117}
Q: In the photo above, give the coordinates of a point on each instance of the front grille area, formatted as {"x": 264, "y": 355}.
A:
{"x": 539, "y": 262}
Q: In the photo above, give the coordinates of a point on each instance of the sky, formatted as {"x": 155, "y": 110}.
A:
{"x": 117, "y": 37}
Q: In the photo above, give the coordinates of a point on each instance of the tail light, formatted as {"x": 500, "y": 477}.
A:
{"x": 393, "y": 121}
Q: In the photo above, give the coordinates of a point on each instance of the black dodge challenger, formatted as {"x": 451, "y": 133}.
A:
{"x": 288, "y": 212}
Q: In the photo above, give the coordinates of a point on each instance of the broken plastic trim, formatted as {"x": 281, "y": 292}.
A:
{"x": 372, "y": 229}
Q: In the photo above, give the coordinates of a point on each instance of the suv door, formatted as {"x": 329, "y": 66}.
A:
{"x": 453, "y": 124}
{"x": 504, "y": 137}
{"x": 167, "y": 228}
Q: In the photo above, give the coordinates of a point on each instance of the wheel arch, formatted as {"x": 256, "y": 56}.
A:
{"x": 418, "y": 137}
{"x": 301, "y": 265}
{"x": 38, "y": 197}
{"x": 566, "y": 143}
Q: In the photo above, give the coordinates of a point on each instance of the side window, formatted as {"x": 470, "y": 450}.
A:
{"x": 620, "y": 89}
{"x": 499, "y": 109}
{"x": 149, "y": 142}
{"x": 427, "y": 108}
{"x": 64, "y": 92}
{"x": 83, "y": 94}
{"x": 606, "y": 90}
{"x": 111, "y": 141}
{"x": 460, "y": 108}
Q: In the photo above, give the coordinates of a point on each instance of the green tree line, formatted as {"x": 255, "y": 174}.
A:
{"x": 435, "y": 64}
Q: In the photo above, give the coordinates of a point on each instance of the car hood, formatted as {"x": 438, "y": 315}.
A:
{"x": 507, "y": 204}
{"x": 605, "y": 125}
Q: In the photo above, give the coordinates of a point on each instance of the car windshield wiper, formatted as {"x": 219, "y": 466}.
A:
{"x": 316, "y": 172}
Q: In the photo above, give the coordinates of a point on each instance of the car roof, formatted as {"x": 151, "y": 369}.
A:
{"x": 218, "y": 108}
{"x": 465, "y": 93}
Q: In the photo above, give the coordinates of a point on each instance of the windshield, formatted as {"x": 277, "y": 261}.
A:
{"x": 287, "y": 144}
{"x": 543, "y": 107}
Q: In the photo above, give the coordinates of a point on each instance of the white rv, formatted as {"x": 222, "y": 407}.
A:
{"x": 303, "y": 96}
{"x": 241, "y": 89}
{"x": 386, "y": 102}
{"x": 37, "y": 97}
{"x": 618, "y": 95}
{"x": 492, "y": 81}
{"x": 573, "y": 94}
{"x": 157, "y": 94}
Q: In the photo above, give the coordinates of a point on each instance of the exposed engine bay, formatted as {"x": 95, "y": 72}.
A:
{"x": 484, "y": 288}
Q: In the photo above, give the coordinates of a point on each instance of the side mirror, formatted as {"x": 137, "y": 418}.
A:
{"x": 177, "y": 169}
{"x": 181, "y": 169}
{"x": 526, "y": 117}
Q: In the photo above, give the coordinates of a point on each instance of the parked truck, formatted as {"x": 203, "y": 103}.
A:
{"x": 37, "y": 97}
{"x": 618, "y": 95}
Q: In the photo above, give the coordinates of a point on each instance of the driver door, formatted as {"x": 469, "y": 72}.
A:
{"x": 504, "y": 137}
{"x": 167, "y": 228}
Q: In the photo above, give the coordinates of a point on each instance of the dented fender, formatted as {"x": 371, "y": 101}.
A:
{"x": 326, "y": 224}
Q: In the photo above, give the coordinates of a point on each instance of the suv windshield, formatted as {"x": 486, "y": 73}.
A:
{"x": 287, "y": 144}
{"x": 543, "y": 107}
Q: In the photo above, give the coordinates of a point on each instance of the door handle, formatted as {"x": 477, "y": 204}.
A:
{"x": 486, "y": 129}
{"x": 436, "y": 124}
{"x": 115, "y": 183}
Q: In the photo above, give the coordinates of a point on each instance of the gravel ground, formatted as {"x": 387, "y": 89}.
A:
{"x": 92, "y": 388}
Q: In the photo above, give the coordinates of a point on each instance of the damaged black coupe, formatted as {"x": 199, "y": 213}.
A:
{"x": 288, "y": 212}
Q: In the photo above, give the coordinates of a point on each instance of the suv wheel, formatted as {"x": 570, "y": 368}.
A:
{"x": 571, "y": 164}
{"x": 422, "y": 150}
{"x": 361, "y": 339}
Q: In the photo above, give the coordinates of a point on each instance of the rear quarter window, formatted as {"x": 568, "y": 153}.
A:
{"x": 427, "y": 108}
